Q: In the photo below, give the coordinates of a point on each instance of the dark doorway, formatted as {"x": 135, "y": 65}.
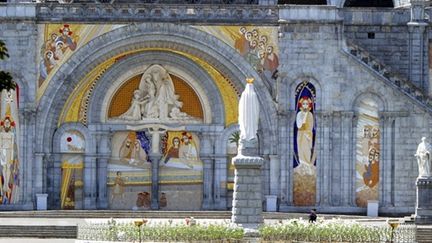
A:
{"x": 303, "y": 2}
{"x": 369, "y": 3}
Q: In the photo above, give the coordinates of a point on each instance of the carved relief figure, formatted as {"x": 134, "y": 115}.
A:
{"x": 155, "y": 98}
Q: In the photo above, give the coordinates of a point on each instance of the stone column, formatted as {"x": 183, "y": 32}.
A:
{"x": 155, "y": 156}
{"x": 220, "y": 200}
{"x": 247, "y": 199}
{"x": 347, "y": 161}
{"x": 324, "y": 159}
{"x": 423, "y": 211}
{"x": 104, "y": 153}
{"x": 417, "y": 41}
{"x": 385, "y": 160}
{"x": 206, "y": 141}
{"x": 38, "y": 174}
{"x": 27, "y": 119}
{"x": 274, "y": 174}
{"x": 89, "y": 176}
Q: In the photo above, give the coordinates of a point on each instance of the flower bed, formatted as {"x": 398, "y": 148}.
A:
{"x": 128, "y": 232}
{"x": 332, "y": 231}
{"x": 298, "y": 230}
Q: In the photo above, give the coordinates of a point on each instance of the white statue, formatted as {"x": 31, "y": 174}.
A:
{"x": 423, "y": 158}
{"x": 248, "y": 112}
{"x": 137, "y": 105}
{"x": 155, "y": 98}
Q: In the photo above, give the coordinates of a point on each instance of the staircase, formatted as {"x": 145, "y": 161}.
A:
{"x": 39, "y": 231}
{"x": 424, "y": 234}
{"x": 391, "y": 77}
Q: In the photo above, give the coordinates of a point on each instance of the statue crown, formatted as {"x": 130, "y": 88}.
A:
{"x": 250, "y": 80}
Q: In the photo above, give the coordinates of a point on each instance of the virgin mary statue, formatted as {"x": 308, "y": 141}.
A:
{"x": 248, "y": 112}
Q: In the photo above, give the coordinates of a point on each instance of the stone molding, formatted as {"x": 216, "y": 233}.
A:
{"x": 124, "y": 12}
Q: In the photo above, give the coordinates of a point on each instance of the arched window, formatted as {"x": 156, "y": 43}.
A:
{"x": 72, "y": 147}
{"x": 303, "y": 2}
{"x": 305, "y": 154}
{"x": 367, "y": 152}
{"x": 369, "y": 3}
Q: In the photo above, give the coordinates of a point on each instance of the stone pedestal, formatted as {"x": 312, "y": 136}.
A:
{"x": 423, "y": 212}
{"x": 372, "y": 208}
{"x": 271, "y": 203}
{"x": 247, "y": 199}
{"x": 41, "y": 201}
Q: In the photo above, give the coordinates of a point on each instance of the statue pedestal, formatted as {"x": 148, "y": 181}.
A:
{"x": 247, "y": 199}
{"x": 423, "y": 211}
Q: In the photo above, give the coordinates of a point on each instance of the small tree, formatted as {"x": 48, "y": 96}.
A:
{"x": 235, "y": 138}
{"x": 6, "y": 81}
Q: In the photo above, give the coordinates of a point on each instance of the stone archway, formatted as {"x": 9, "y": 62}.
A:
{"x": 141, "y": 37}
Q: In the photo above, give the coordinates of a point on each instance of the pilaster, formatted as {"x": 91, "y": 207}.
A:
{"x": 417, "y": 45}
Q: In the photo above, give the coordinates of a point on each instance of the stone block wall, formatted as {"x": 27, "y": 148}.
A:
{"x": 315, "y": 51}
{"x": 384, "y": 34}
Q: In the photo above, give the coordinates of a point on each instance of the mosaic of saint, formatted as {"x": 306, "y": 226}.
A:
{"x": 129, "y": 171}
{"x": 367, "y": 152}
{"x": 59, "y": 43}
{"x": 72, "y": 147}
{"x": 181, "y": 171}
{"x": 304, "y": 162}
{"x": 257, "y": 44}
{"x": 9, "y": 153}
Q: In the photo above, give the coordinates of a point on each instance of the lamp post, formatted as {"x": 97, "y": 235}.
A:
{"x": 393, "y": 224}
{"x": 138, "y": 224}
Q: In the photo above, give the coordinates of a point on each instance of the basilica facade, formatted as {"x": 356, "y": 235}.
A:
{"x": 128, "y": 105}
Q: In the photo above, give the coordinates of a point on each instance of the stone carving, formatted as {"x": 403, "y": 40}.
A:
{"x": 155, "y": 99}
{"x": 423, "y": 158}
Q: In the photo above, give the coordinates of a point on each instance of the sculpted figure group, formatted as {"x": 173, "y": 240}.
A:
{"x": 155, "y": 98}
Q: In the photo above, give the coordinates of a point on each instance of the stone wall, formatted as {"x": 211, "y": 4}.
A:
{"x": 312, "y": 46}
{"x": 383, "y": 33}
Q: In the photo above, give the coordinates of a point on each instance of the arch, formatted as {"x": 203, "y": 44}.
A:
{"x": 221, "y": 144}
{"x": 369, "y": 95}
{"x": 293, "y": 85}
{"x": 137, "y": 37}
{"x": 65, "y": 127}
{"x": 369, "y": 3}
{"x": 178, "y": 65}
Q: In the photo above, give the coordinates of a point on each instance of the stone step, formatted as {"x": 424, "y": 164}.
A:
{"x": 115, "y": 214}
{"x": 424, "y": 234}
{"x": 38, "y": 231}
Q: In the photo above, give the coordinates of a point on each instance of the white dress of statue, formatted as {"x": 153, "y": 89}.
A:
{"x": 166, "y": 99}
{"x": 424, "y": 158}
{"x": 248, "y": 113}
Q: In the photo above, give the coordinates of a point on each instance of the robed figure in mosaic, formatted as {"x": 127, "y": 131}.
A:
{"x": 304, "y": 146}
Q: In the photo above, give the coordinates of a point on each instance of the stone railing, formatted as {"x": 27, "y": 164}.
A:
{"x": 392, "y": 77}
{"x": 122, "y": 12}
